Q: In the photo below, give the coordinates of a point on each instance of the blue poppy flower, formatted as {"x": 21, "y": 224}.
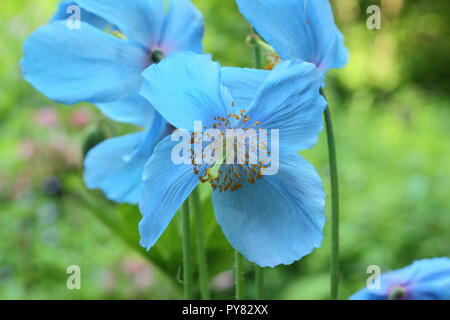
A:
{"x": 271, "y": 219}
{"x": 427, "y": 279}
{"x": 116, "y": 165}
{"x": 102, "y": 63}
{"x": 301, "y": 29}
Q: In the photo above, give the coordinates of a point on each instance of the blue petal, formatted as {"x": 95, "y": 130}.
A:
{"x": 277, "y": 220}
{"x": 290, "y": 100}
{"x": 108, "y": 168}
{"x": 183, "y": 28}
{"x": 438, "y": 289}
{"x": 92, "y": 19}
{"x": 134, "y": 110}
{"x": 185, "y": 87}
{"x": 431, "y": 280}
{"x": 158, "y": 130}
{"x": 71, "y": 66}
{"x": 139, "y": 20}
{"x": 243, "y": 83}
{"x": 302, "y": 29}
{"x": 367, "y": 294}
{"x": 116, "y": 165}
{"x": 339, "y": 52}
{"x": 166, "y": 187}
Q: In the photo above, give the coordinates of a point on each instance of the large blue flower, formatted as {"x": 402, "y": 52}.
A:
{"x": 102, "y": 63}
{"x": 270, "y": 219}
{"x": 427, "y": 279}
{"x": 302, "y": 29}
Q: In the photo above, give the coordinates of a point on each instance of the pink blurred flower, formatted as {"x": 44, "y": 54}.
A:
{"x": 141, "y": 272}
{"x": 80, "y": 117}
{"x": 20, "y": 186}
{"x": 46, "y": 117}
{"x": 223, "y": 281}
{"x": 108, "y": 280}
{"x": 27, "y": 149}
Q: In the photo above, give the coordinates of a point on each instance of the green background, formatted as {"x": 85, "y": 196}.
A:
{"x": 391, "y": 109}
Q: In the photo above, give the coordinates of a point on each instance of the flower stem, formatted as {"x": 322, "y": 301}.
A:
{"x": 200, "y": 245}
{"x": 187, "y": 251}
{"x": 259, "y": 272}
{"x": 239, "y": 270}
{"x": 334, "y": 271}
{"x": 259, "y": 279}
{"x": 257, "y": 54}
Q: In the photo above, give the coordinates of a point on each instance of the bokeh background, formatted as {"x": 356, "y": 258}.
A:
{"x": 391, "y": 109}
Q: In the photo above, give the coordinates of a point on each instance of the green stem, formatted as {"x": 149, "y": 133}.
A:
{"x": 334, "y": 271}
{"x": 259, "y": 279}
{"x": 187, "y": 251}
{"x": 200, "y": 245}
{"x": 239, "y": 270}
{"x": 259, "y": 272}
{"x": 258, "y": 55}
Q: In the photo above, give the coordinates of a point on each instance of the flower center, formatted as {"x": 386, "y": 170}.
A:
{"x": 235, "y": 153}
{"x": 397, "y": 293}
{"x": 156, "y": 56}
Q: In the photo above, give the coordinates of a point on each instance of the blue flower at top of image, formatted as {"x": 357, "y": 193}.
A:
{"x": 301, "y": 29}
{"x": 270, "y": 219}
{"x": 427, "y": 279}
{"x": 101, "y": 62}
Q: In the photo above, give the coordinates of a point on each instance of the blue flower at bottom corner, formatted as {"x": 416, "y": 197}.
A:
{"x": 427, "y": 279}
{"x": 100, "y": 61}
{"x": 270, "y": 219}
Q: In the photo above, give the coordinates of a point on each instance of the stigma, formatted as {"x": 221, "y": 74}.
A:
{"x": 230, "y": 160}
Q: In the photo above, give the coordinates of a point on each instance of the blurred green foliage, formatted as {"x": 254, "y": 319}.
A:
{"x": 391, "y": 112}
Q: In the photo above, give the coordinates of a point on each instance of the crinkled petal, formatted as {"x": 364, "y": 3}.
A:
{"x": 302, "y": 29}
{"x": 243, "y": 83}
{"x": 431, "y": 281}
{"x": 183, "y": 28}
{"x": 185, "y": 87}
{"x": 109, "y": 167}
{"x": 158, "y": 130}
{"x": 139, "y": 20}
{"x": 277, "y": 220}
{"x": 116, "y": 165}
{"x": 71, "y": 66}
{"x": 134, "y": 110}
{"x": 339, "y": 52}
{"x": 289, "y": 100}
{"x": 166, "y": 187}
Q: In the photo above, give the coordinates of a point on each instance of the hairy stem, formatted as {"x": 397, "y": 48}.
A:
{"x": 239, "y": 270}
{"x": 187, "y": 251}
{"x": 259, "y": 279}
{"x": 334, "y": 271}
{"x": 200, "y": 245}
